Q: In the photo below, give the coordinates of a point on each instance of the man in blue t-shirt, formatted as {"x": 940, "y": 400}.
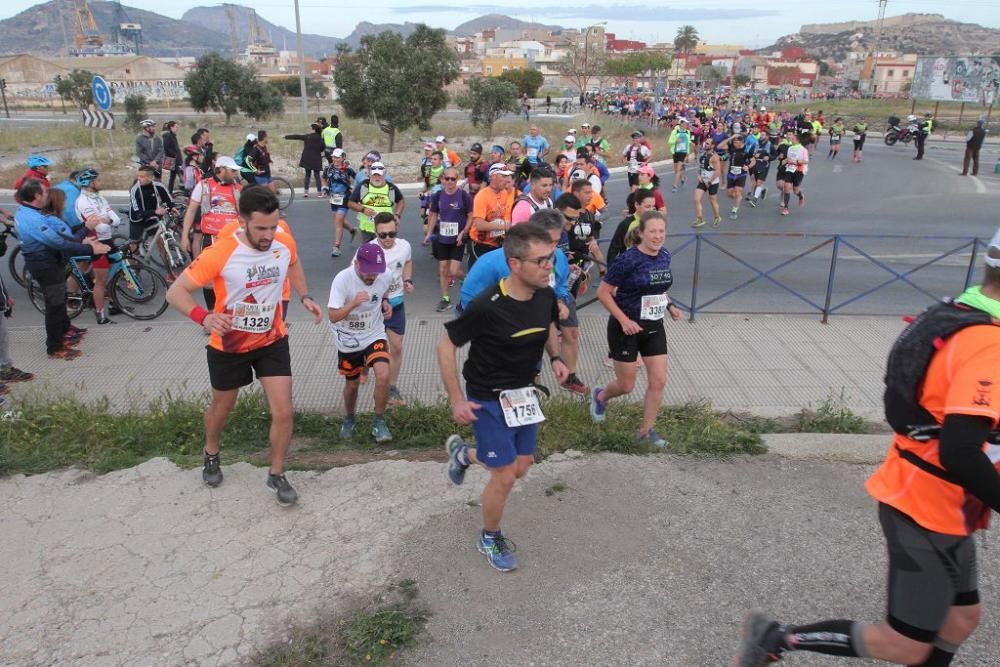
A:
{"x": 536, "y": 147}
{"x": 450, "y": 214}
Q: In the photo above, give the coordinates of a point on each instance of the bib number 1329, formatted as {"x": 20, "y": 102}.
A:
{"x": 520, "y": 407}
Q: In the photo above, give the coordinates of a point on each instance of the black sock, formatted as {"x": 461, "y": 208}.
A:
{"x": 937, "y": 658}
{"x": 784, "y": 199}
{"x": 833, "y": 637}
{"x": 799, "y": 195}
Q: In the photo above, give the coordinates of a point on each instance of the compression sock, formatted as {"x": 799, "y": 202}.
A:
{"x": 937, "y": 658}
{"x": 834, "y": 637}
{"x": 785, "y": 197}
{"x": 799, "y": 195}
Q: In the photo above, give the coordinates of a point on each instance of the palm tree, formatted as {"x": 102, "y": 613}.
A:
{"x": 686, "y": 39}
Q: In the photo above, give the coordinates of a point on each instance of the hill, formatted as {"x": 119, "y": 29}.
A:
{"x": 488, "y": 21}
{"x": 923, "y": 34}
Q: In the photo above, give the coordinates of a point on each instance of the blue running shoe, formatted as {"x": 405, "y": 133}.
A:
{"x": 347, "y": 430}
{"x": 454, "y": 446}
{"x": 499, "y": 551}
{"x": 597, "y": 407}
{"x": 653, "y": 439}
{"x": 381, "y": 430}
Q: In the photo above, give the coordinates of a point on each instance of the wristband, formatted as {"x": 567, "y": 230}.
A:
{"x": 555, "y": 358}
{"x": 198, "y": 315}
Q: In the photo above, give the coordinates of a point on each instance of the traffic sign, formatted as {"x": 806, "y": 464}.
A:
{"x": 50, "y": 89}
{"x": 104, "y": 120}
{"x": 102, "y": 92}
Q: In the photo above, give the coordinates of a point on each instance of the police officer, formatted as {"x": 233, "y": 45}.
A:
{"x": 924, "y": 128}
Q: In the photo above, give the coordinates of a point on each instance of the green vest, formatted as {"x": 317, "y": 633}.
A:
{"x": 330, "y": 137}
{"x": 377, "y": 199}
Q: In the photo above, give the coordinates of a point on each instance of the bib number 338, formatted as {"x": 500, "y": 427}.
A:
{"x": 520, "y": 407}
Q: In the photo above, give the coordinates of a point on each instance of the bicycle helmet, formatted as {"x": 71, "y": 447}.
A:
{"x": 191, "y": 149}
{"x": 251, "y": 137}
{"x": 147, "y": 123}
{"x": 85, "y": 177}
{"x": 36, "y": 160}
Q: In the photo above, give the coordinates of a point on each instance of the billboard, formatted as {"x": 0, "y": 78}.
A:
{"x": 956, "y": 79}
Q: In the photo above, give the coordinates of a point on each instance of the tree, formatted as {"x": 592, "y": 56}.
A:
{"x": 488, "y": 99}
{"x": 687, "y": 38}
{"x": 580, "y": 65}
{"x": 636, "y": 64}
{"x": 741, "y": 80}
{"x": 395, "y": 82}
{"x": 135, "y": 110}
{"x": 75, "y": 87}
{"x": 527, "y": 80}
{"x": 824, "y": 68}
{"x": 259, "y": 100}
{"x": 221, "y": 84}
{"x": 289, "y": 87}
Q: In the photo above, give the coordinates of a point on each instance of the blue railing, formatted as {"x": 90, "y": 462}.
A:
{"x": 681, "y": 244}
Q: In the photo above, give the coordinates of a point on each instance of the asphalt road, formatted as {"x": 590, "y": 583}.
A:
{"x": 887, "y": 194}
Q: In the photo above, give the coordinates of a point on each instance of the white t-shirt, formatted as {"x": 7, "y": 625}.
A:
{"x": 91, "y": 204}
{"x": 365, "y": 324}
{"x": 396, "y": 258}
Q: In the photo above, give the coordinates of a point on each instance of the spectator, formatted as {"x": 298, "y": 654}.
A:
{"x": 312, "y": 155}
{"x": 38, "y": 169}
{"x": 148, "y": 146}
{"x": 332, "y": 136}
{"x": 973, "y": 143}
{"x": 171, "y": 153}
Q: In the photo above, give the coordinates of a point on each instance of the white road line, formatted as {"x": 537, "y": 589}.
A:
{"x": 980, "y": 186}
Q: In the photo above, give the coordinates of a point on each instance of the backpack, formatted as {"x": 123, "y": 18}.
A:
{"x": 910, "y": 357}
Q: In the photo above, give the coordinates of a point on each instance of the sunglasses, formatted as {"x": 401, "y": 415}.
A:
{"x": 449, "y": 178}
{"x": 388, "y": 235}
{"x": 547, "y": 260}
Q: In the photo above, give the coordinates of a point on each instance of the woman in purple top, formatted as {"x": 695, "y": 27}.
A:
{"x": 450, "y": 214}
{"x": 634, "y": 292}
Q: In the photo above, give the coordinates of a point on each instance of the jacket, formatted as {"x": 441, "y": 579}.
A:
{"x": 31, "y": 174}
{"x": 976, "y": 137}
{"x": 45, "y": 239}
{"x": 312, "y": 150}
{"x": 137, "y": 211}
{"x": 170, "y": 146}
{"x": 148, "y": 148}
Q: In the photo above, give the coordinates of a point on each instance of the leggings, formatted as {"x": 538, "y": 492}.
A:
{"x": 319, "y": 183}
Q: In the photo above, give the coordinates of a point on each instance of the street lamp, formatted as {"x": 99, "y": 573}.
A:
{"x": 302, "y": 64}
{"x": 586, "y": 50}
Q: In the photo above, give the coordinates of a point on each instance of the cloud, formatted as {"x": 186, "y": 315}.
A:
{"x": 597, "y": 12}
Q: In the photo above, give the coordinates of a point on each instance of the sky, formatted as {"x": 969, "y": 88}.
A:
{"x": 755, "y": 24}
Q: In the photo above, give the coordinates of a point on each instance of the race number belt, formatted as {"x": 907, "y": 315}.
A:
{"x": 337, "y": 199}
{"x": 449, "y": 229}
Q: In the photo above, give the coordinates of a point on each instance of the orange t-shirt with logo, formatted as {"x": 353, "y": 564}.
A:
{"x": 491, "y": 205}
{"x": 963, "y": 379}
{"x": 232, "y": 227}
{"x": 248, "y": 284}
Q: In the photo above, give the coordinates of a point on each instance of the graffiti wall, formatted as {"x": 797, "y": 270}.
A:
{"x": 164, "y": 89}
{"x": 956, "y": 80}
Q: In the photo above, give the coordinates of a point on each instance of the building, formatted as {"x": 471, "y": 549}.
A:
{"x": 32, "y": 78}
{"x": 889, "y": 76}
{"x": 497, "y": 65}
{"x": 613, "y": 45}
{"x": 754, "y": 68}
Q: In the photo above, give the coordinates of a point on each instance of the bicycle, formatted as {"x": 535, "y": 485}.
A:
{"x": 285, "y": 192}
{"x": 131, "y": 285}
{"x": 160, "y": 244}
{"x": 15, "y": 263}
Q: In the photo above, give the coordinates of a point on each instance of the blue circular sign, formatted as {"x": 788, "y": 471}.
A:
{"x": 102, "y": 93}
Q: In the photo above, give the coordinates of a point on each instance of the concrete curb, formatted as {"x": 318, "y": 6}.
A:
{"x": 829, "y": 447}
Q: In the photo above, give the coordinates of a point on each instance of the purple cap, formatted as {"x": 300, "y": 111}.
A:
{"x": 370, "y": 258}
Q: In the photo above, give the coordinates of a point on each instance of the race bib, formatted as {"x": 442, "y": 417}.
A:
{"x": 682, "y": 145}
{"x": 337, "y": 199}
{"x": 654, "y": 306}
{"x": 360, "y": 321}
{"x": 532, "y": 152}
{"x": 448, "y": 229}
{"x": 791, "y": 168}
{"x": 520, "y": 407}
{"x": 497, "y": 233}
{"x": 706, "y": 174}
{"x": 253, "y": 317}
{"x": 735, "y": 170}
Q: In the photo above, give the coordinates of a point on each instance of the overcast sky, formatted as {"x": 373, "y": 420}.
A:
{"x": 719, "y": 21}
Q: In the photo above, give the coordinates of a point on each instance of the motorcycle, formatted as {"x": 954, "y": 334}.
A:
{"x": 894, "y": 132}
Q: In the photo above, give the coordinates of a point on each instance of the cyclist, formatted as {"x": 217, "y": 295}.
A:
{"x": 148, "y": 201}
{"x": 93, "y": 209}
{"x": 149, "y": 146}
{"x": 375, "y": 194}
{"x": 634, "y": 292}
{"x": 45, "y": 241}
{"x": 38, "y": 169}
{"x": 339, "y": 182}
{"x": 709, "y": 174}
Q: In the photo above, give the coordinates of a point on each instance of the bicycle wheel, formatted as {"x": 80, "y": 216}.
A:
{"x": 285, "y": 192}
{"x": 175, "y": 256}
{"x": 140, "y": 292}
{"x": 15, "y": 264}
{"x": 75, "y": 301}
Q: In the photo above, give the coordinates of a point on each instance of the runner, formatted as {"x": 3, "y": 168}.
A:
{"x": 358, "y": 308}
{"x": 635, "y": 155}
{"x": 536, "y": 147}
{"x": 518, "y": 315}
{"x": 860, "y": 132}
{"x": 760, "y": 170}
{"x": 491, "y": 213}
{"x": 599, "y": 146}
{"x": 625, "y": 237}
{"x": 780, "y": 156}
{"x": 836, "y": 134}
{"x": 431, "y": 173}
{"x": 796, "y": 166}
{"x": 450, "y": 157}
{"x": 339, "y": 183}
{"x": 375, "y": 195}
{"x": 740, "y": 164}
{"x": 450, "y": 216}
{"x": 248, "y": 270}
{"x": 933, "y": 495}
{"x": 634, "y": 292}
{"x": 538, "y": 197}
{"x": 679, "y": 145}
{"x": 648, "y": 180}
{"x": 709, "y": 170}
{"x": 474, "y": 169}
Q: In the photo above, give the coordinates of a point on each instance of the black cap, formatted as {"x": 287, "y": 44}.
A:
{"x": 476, "y": 148}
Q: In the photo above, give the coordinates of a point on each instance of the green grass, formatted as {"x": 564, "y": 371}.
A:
{"x": 831, "y": 416}
{"x": 558, "y": 487}
{"x": 877, "y": 111}
{"x": 370, "y": 636}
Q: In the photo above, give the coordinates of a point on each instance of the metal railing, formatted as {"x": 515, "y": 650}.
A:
{"x": 836, "y": 243}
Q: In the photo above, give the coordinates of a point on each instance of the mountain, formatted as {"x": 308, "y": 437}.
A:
{"x": 489, "y": 21}
{"x": 216, "y": 19}
{"x": 365, "y": 28}
{"x": 37, "y": 30}
{"x": 923, "y": 34}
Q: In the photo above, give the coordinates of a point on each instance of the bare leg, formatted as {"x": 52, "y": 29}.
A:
{"x": 656, "y": 382}
{"x": 395, "y": 357}
{"x": 216, "y": 415}
{"x": 381, "y": 371}
{"x": 278, "y": 390}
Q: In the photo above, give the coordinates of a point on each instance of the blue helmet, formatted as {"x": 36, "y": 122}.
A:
{"x": 85, "y": 177}
{"x": 35, "y": 161}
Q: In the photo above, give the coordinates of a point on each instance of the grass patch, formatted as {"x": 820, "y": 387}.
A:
{"x": 371, "y": 636}
{"x": 831, "y": 416}
{"x": 558, "y": 487}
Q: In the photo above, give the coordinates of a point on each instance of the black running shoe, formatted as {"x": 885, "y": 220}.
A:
{"x": 286, "y": 494}
{"x": 760, "y": 645}
{"x": 211, "y": 471}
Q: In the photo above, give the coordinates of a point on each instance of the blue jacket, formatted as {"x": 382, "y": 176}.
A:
{"x": 72, "y": 194}
{"x": 45, "y": 239}
{"x": 491, "y": 267}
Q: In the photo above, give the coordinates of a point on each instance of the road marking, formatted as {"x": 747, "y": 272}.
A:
{"x": 980, "y": 186}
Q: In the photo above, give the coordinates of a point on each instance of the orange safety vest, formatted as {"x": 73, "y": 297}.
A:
{"x": 219, "y": 205}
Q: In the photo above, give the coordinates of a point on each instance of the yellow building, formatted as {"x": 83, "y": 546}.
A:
{"x": 497, "y": 65}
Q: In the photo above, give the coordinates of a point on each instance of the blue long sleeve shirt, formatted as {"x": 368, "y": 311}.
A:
{"x": 45, "y": 239}
{"x": 491, "y": 267}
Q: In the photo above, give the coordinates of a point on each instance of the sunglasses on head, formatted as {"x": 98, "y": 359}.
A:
{"x": 388, "y": 235}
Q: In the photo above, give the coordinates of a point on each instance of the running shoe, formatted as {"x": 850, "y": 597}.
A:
{"x": 673, "y": 189}
{"x": 653, "y": 439}
{"x": 454, "y": 445}
{"x": 802, "y": 202}
{"x": 211, "y": 470}
{"x": 784, "y": 211}
{"x": 684, "y": 179}
{"x": 335, "y": 252}
{"x": 499, "y": 551}
{"x": 733, "y": 214}
{"x": 752, "y": 202}
{"x": 597, "y": 407}
{"x": 347, "y": 428}
{"x": 104, "y": 319}
{"x": 66, "y": 353}
{"x": 574, "y": 385}
{"x": 760, "y": 644}
{"x": 12, "y": 374}
{"x": 305, "y": 195}
{"x": 380, "y": 430}
{"x": 443, "y": 306}
{"x": 699, "y": 222}
{"x": 395, "y": 398}
{"x": 353, "y": 231}
{"x": 286, "y": 494}
{"x": 717, "y": 221}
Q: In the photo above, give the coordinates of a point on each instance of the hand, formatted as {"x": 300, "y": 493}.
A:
{"x": 92, "y": 222}
{"x": 185, "y": 244}
{"x": 408, "y": 287}
{"x": 160, "y": 211}
{"x": 630, "y": 327}
{"x": 464, "y": 412}
{"x": 313, "y": 308}
{"x": 154, "y": 164}
{"x": 370, "y": 212}
{"x": 386, "y": 309}
{"x": 560, "y": 370}
{"x": 98, "y": 247}
{"x": 219, "y": 323}
{"x": 361, "y": 297}
{"x": 563, "y": 310}
{"x": 675, "y": 312}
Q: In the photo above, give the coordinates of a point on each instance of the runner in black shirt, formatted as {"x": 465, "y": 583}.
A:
{"x": 508, "y": 327}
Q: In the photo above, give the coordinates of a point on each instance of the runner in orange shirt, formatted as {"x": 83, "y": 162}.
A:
{"x": 248, "y": 270}
{"x": 492, "y": 210}
{"x": 932, "y": 497}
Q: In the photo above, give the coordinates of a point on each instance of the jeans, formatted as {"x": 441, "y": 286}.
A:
{"x": 319, "y": 183}
{"x": 52, "y": 279}
{"x": 170, "y": 182}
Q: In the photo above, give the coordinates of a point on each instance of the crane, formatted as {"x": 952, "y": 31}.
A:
{"x": 87, "y": 34}
{"x": 124, "y": 31}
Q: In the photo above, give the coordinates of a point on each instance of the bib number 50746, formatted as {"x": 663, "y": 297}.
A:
{"x": 520, "y": 407}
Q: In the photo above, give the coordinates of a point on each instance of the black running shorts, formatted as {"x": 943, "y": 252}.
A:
{"x": 649, "y": 342}
{"x": 232, "y": 370}
{"x": 712, "y": 189}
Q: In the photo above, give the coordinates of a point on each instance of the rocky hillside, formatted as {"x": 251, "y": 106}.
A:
{"x": 922, "y": 34}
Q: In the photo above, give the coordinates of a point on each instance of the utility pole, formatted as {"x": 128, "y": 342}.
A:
{"x": 302, "y": 64}
{"x": 878, "y": 38}
{"x": 3, "y": 91}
